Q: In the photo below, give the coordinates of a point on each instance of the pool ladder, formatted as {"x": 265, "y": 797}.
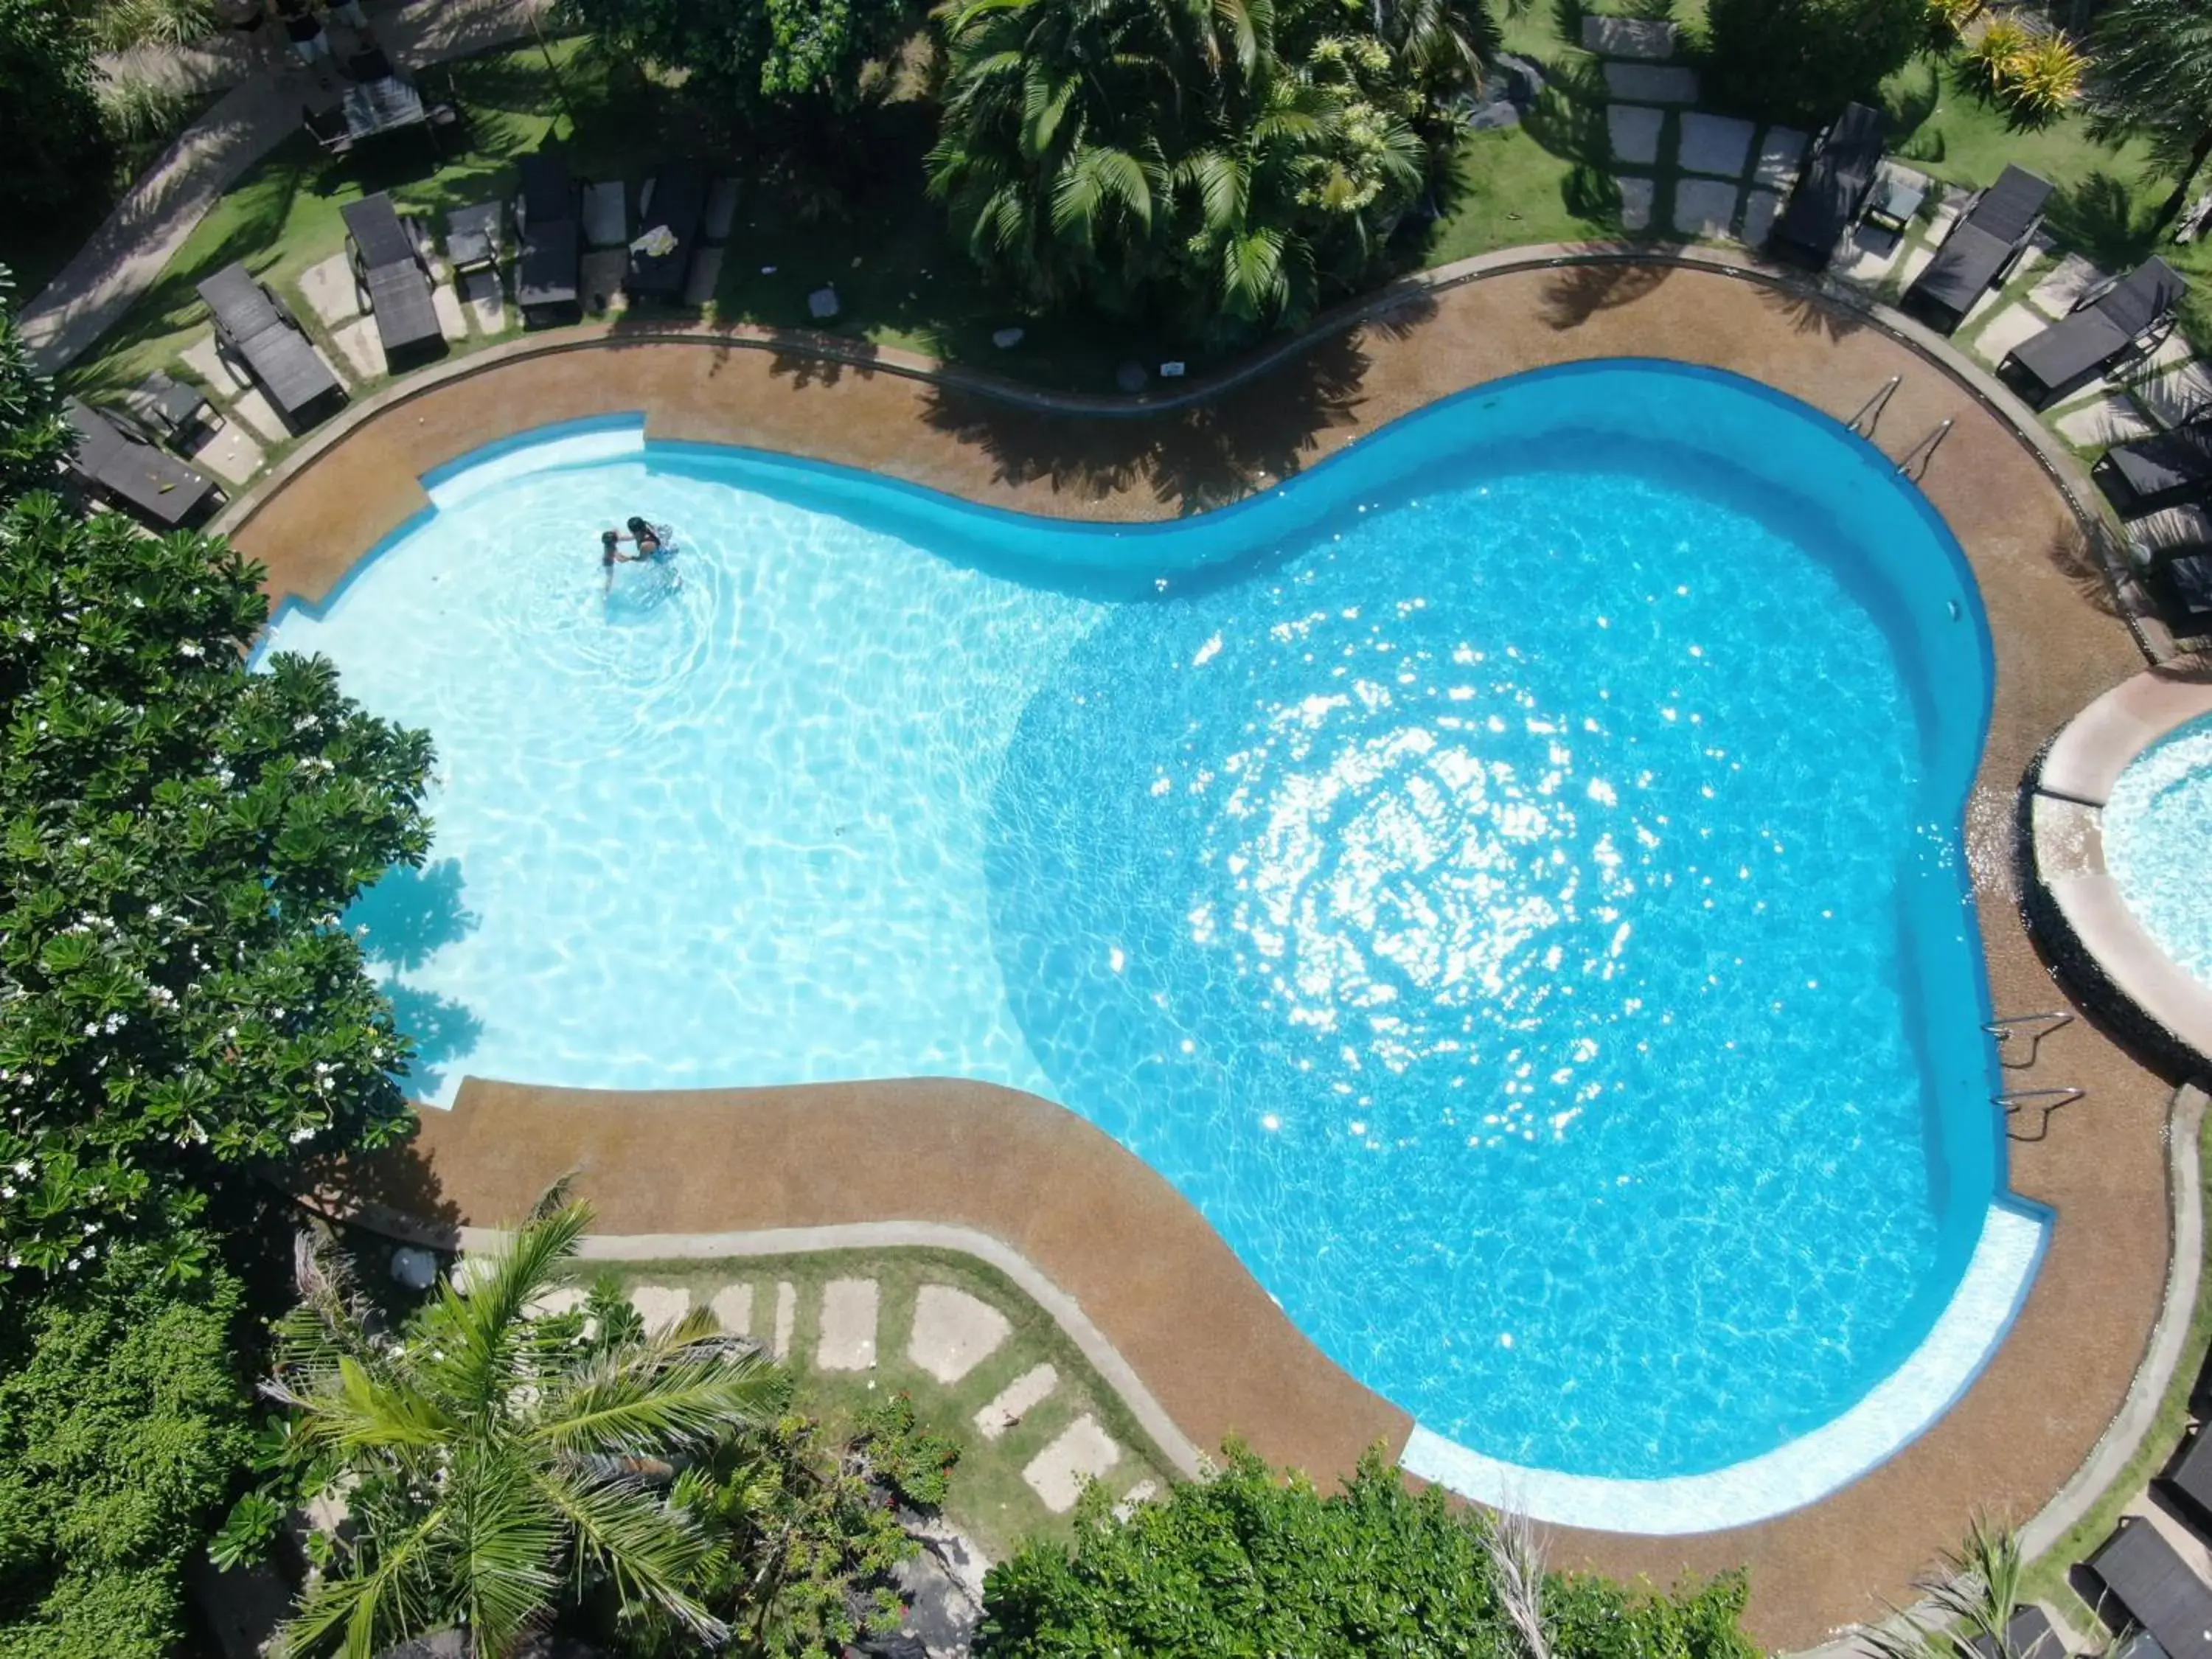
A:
{"x": 2040, "y": 1026}
{"x": 1869, "y": 413}
{"x": 1914, "y": 466}
{"x": 2042, "y": 1101}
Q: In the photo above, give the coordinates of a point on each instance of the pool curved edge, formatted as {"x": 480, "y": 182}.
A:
{"x": 2121, "y": 973}
{"x": 1890, "y": 1417}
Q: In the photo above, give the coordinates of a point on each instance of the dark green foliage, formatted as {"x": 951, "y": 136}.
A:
{"x": 49, "y": 117}
{"x": 2152, "y": 73}
{"x": 178, "y": 839}
{"x": 122, "y": 1422}
{"x": 755, "y": 57}
{"x": 1803, "y": 60}
{"x": 913, "y": 1462}
{"x": 1245, "y": 1563}
{"x": 34, "y": 438}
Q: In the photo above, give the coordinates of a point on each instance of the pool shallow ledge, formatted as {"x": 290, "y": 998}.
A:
{"x": 1890, "y": 1418}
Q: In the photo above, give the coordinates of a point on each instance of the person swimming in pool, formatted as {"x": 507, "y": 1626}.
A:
{"x": 652, "y": 549}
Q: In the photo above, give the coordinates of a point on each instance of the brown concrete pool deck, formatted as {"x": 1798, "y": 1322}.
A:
{"x": 1208, "y": 1342}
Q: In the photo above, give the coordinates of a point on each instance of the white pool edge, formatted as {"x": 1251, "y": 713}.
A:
{"x": 1901, "y": 1407}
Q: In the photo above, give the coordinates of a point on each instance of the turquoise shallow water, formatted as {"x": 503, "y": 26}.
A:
{"x": 2158, "y": 843}
{"x": 1509, "y": 879}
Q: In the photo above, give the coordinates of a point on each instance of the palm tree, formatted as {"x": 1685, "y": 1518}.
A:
{"x": 1972, "y": 1599}
{"x": 493, "y": 1458}
{"x": 2154, "y": 75}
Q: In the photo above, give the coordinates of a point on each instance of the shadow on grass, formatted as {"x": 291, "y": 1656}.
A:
{"x": 2101, "y": 218}
{"x": 1189, "y": 459}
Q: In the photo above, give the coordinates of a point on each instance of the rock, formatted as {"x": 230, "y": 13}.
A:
{"x": 416, "y": 1268}
{"x": 1006, "y": 338}
{"x": 822, "y": 304}
{"x": 1131, "y": 377}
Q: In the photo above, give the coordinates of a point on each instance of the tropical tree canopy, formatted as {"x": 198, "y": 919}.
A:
{"x": 122, "y": 1421}
{"x": 1803, "y": 60}
{"x": 1249, "y": 1562}
{"x": 49, "y": 112}
{"x": 178, "y": 993}
{"x": 35, "y": 437}
{"x": 1217, "y": 167}
{"x": 2152, "y": 74}
{"x": 496, "y": 1459}
{"x": 755, "y": 57}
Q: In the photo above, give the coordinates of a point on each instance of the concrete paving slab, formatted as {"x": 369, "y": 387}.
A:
{"x": 214, "y": 370}
{"x": 1980, "y": 310}
{"x": 1650, "y": 83}
{"x": 602, "y": 274}
{"x": 786, "y": 1318}
{"x": 606, "y": 214}
{"x": 1715, "y": 144}
{"x": 229, "y": 453}
{"x": 1634, "y": 131}
{"x": 954, "y": 1332}
{"x": 1781, "y": 153}
{"x": 2055, "y": 294}
{"x": 2172, "y": 352}
{"x": 2011, "y": 325}
{"x": 1916, "y": 261}
{"x": 567, "y": 1299}
{"x": 486, "y": 300}
{"x": 1866, "y": 256}
{"x": 1143, "y": 1492}
{"x": 1629, "y": 37}
{"x": 1704, "y": 207}
{"x": 732, "y": 1308}
{"x": 706, "y": 272}
{"x": 659, "y": 1305}
{"x": 848, "y": 1326}
{"x": 330, "y": 291}
{"x": 1078, "y": 1454}
{"x": 358, "y": 344}
{"x": 453, "y": 321}
{"x": 1760, "y": 210}
{"x": 1636, "y": 196}
{"x": 2109, "y": 419}
{"x": 2172, "y": 398}
{"x": 254, "y": 408}
{"x": 1015, "y": 1402}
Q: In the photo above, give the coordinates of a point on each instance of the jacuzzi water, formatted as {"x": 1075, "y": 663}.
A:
{"x": 2158, "y": 843}
{"x": 1508, "y": 879}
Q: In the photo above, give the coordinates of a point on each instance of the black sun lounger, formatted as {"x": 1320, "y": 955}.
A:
{"x": 2028, "y": 1636}
{"x": 119, "y": 465}
{"x": 1981, "y": 250}
{"x": 676, "y": 201}
{"x": 249, "y": 321}
{"x": 391, "y": 271}
{"x": 2108, "y": 323}
{"x": 549, "y": 272}
{"x": 2142, "y": 1573}
{"x": 2161, "y": 470}
{"x": 1833, "y": 188}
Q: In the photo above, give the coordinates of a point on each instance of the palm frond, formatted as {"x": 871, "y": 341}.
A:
{"x": 672, "y": 1393}
{"x": 510, "y": 1537}
{"x": 367, "y": 1610}
{"x": 649, "y": 1549}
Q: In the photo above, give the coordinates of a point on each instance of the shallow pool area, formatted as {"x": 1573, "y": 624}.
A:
{"x": 1508, "y": 879}
{"x": 2158, "y": 843}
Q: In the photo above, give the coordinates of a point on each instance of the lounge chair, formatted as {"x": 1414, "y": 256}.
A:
{"x": 249, "y": 322}
{"x": 2161, "y": 470}
{"x": 181, "y": 412}
{"x": 1833, "y": 188}
{"x": 675, "y": 200}
{"x": 117, "y": 464}
{"x": 2128, "y": 317}
{"x": 1982, "y": 250}
{"x": 547, "y": 276}
{"x": 391, "y": 272}
{"x": 2029, "y": 1636}
{"x": 473, "y": 238}
{"x": 329, "y": 131}
{"x": 2161, "y": 1593}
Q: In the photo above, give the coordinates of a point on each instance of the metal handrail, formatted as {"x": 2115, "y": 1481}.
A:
{"x": 2005, "y": 1029}
{"x": 2012, "y": 1100}
{"x": 1870, "y": 411}
{"x": 1922, "y": 452}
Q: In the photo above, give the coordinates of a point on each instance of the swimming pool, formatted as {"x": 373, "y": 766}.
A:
{"x": 2158, "y": 843}
{"x": 1508, "y": 879}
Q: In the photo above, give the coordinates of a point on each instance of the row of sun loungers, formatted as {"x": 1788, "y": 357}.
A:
{"x": 556, "y": 220}
{"x": 394, "y": 279}
{"x": 1830, "y": 192}
{"x": 254, "y": 327}
{"x": 1982, "y": 251}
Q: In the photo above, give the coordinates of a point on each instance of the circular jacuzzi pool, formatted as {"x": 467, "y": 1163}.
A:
{"x": 1508, "y": 879}
{"x": 2158, "y": 843}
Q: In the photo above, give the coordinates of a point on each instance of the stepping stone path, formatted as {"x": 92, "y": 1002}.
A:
{"x": 361, "y": 348}
{"x": 213, "y": 369}
{"x": 1015, "y": 1402}
{"x": 1715, "y": 144}
{"x": 1079, "y": 1454}
{"x": 486, "y": 300}
{"x": 1634, "y": 131}
{"x": 1781, "y": 154}
{"x": 659, "y": 1305}
{"x": 1636, "y": 200}
{"x": 452, "y": 322}
{"x": 567, "y": 1299}
{"x": 1761, "y": 207}
{"x": 330, "y": 291}
{"x": 1629, "y": 37}
{"x": 1652, "y": 83}
{"x": 787, "y": 1319}
{"x": 1704, "y": 207}
{"x": 848, "y": 1326}
{"x": 954, "y": 1332}
{"x": 732, "y": 1308}
{"x": 2107, "y": 419}
{"x": 2055, "y": 295}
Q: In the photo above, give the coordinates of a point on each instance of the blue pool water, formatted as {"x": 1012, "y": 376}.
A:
{"x": 1508, "y": 879}
{"x": 2158, "y": 843}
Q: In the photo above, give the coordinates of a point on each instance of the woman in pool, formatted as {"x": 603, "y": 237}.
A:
{"x": 652, "y": 549}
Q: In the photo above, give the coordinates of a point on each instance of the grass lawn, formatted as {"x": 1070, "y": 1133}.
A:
{"x": 989, "y": 1500}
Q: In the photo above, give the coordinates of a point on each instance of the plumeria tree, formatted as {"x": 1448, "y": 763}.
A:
{"x": 500, "y": 1462}
{"x": 179, "y": 839}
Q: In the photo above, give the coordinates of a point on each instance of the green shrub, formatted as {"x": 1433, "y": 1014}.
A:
{"x": 122, "y": 1425}
{"x": 49, "y": 114}
{"x": 1987, "y": 62}
{"x": 913, "y": 1462}
{"x": 2035, "y": 76}
{"x": 1803, "y": 60}
{"x": 1948, "y": 21}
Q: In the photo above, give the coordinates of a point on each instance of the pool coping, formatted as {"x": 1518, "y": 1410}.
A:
{"x": 2123, "y": 1340}
{"x": 2085, "y": 921}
